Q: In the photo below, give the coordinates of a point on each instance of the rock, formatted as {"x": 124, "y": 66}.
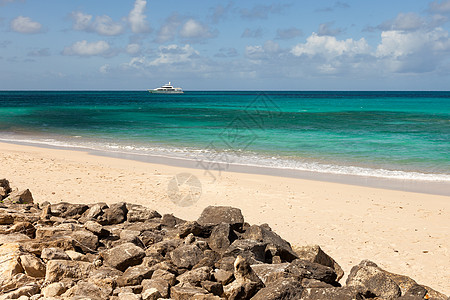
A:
{"x": 105, "y": 277}
{"x": 54, "y": 289}
{"x": 209, "y": 259}
{"x": 5, "y": 217}
{"x": 115, "y": 214}
{"x": 9, "y": 262}
{"x": 165, "y": 275}
{"x": 23, "y": 227}
{"x": 185, "y": 293}
{"x": 139, "y": 213}
{"x": 54, "y": 253}
{"x": 265, "y": 270}
{"x": 134, "y": 275}
{"x": 26, "y": 290}
{"x": 375, "y": 280}
{"x": 315, "y": 254}
{"x": 214, "y": 215}
{"x": 93, "y": 212}
{"x": 20, "y": 197}
{"x": 161, "y": 285}
{"x": 221, "y": 237}
{"x": 85, "y": 240}
{"x": 307, "y": 269}
{"x": 36, "y": 246}
{"x": 151, "y": 294}
{"x": 246, "y": 283}
{"x": 186, "y": 256}
{"x": 252, "y": 250}
{"x": 32, "y": 265}
{"x": 58, "y": 270}
{"x": 123, "y": 256}
{"x": 215, "y": 288}
{"x": 4, "y": 184}
{"x": 150, "y": 238}
{"x": 96, "y": 228}
{"x": 46, "y": 213}
{"x": 12, "y": 238}
{"x": 129, "y": 296}
{"x": 222, "y": 276}
{"x": 189, "y": 227}
{"x": 283, "y": 288}
{"x": 265, "y": 235}
{"x": 342, "y": 293}
{"x": 84, "y": 289}
{"x": 170, "y": 221}
{"x": 195, "y": 276}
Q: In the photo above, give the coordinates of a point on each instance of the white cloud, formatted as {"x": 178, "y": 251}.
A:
{"x": 330, "y": 47}
{"x": 133, "y": 48}
{"x": 325, "y": 29}
{"x": 193, "y": 29}
{"x": 137, "y": 18}
{"x": 404, "y": 21}
{"x": 81, "y": 21}
{"x": 84, "y": 48}
{"x": 104, "y": 69}
{"x": 169, "y": 29}
{"x": 289, "y": 33}
{"x": 104, "y": 25}
{"x": 25, "y": 25}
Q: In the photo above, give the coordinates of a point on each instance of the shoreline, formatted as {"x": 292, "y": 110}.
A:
{"x": 403, "y": 232}
{"x": 407, "y": 185}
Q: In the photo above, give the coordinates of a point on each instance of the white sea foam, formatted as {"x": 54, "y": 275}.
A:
{"x": 226, "y": 158}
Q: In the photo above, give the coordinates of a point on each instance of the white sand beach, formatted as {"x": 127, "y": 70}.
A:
{"x": 403, "y": 232}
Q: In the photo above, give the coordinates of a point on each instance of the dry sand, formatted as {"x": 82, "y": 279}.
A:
{"x": 403, "y": 232}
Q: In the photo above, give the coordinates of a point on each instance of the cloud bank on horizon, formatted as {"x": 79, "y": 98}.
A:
{"x": 262, "y": 45}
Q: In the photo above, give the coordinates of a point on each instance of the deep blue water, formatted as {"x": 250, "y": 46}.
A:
{"x": 385, "y": 134}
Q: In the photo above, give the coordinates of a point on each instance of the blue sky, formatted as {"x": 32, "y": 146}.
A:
{"x": 219, "y": 45}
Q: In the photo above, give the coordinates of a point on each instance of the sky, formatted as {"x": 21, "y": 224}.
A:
{"x": 220, "y": 45}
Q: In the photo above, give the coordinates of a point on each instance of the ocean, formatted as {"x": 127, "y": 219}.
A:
{"x": 390, "y": 135}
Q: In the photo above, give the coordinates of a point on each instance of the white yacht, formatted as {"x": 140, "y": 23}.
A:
{"x": 167, "y": 89}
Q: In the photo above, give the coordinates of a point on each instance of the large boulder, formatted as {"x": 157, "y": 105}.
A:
{"x": 32, "y": 265}
{"x": 374, "y": 280}
{"x": 9, "y": 262}
{"x": 314, "y": 253}
{"x": 195, "y": 276}
{"x": 214, "y": 215}
{"x": 307, "y": 269}
{"x": 341, "y": 293}
{"x": 253, "y": 251}
{"x": 283, "y": 288}
{"x": 19, "y": 197}
{"x": 264, "y": 271}
{"x": 221, "y": 237}
{"x": 68, "y": 210}
{"x": 85, "y": 240}
{"x": 123, "y": 256}
{"x": 58, "y": 270}
{"x": 115, "y": 214}
{"x": 280, "y": 247}
{"x": 246, "y": 283}
{"x": 186, "y": 256}
{"x": 134, "y": 275}
{"x": 139, "y": 213}
{"x": 161, "y": 285}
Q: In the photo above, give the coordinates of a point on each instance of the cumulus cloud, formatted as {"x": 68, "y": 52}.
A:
{"x": 404, "y": 21}
{"x": 227, "y": 52}
{"x": 81, "y": 21}
{"x": 220, "y": 12}
{"x": 169, "y": 29}
{"x": 102, "y": 25}
{"x": 336, "y": 5}
{"x": 133, "y": 48}
{"x": 330, "y": 47}
{"x": 84, "y": 48}
{"x": 289, "y": 33}
{"x": 23, "y": 24}
{"x": 419, "y": 51}
{"x": 137, "y": 18}
{"x": 193, "y": 29}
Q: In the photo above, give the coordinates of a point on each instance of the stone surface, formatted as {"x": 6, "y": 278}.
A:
{"x": 54, "y": 289}
{"x": 58, "y": 270}
{"x": 344, "y": 293}
{"x": 134, "y": 275}
{"x": 185, "y": 293}
{"x": 195, "y": 276}
{"x": 307, "y": 269}
{"x": 32, "y": 265}
{"x": 265, "y": 270}
{"x": 20, "y": 197}
{"x": 314, "y": 253}
{"x": 283, "y": 288}
{"x": 214, "y": 215}
{"x": 123, "y": 256}
{"x": 375, "y": 280}
{"x": 253, "y": 251}
{"x": 161, "y": 285}
{"x": 221, "y": 237}
{"x": 139, "y": 213}
{"x": 85, "y": 240}
{"x": 54, "y": 253}
{"x": 186, "y": 256}
{"x": 115, "y": 214}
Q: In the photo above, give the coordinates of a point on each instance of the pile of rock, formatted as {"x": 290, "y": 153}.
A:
{"x": 128, "y": 251}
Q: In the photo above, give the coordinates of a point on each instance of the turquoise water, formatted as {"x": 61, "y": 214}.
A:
{"x": 402, "y": 135}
